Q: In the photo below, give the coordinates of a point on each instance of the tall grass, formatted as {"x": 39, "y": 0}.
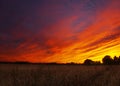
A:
{"x": 58, "y": 75}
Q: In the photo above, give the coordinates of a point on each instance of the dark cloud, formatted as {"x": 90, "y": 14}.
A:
{"x": 105, "y": 39}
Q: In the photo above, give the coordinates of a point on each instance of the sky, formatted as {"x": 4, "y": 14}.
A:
{"x": 59, "y": 31}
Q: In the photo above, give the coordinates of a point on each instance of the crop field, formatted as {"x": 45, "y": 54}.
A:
{"x": 59, "y": 75}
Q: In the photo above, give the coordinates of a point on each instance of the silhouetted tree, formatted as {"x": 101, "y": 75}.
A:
{"x": 119, "y": 60}
{"x": 97, "y": 63}
{"x": 116, "y": 60}
{"x": 88, "y": 62}
{"x": 108, "y": 60}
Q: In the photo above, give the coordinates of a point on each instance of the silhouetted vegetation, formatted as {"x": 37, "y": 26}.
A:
{"x": 116, "y": 60}
{"x": 111, "y": 61}
{"x": 107, "y": 60}
{"x": 90, "y": 62}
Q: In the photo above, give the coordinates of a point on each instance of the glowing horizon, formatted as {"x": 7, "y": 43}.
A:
{"x": 59, "y": 31}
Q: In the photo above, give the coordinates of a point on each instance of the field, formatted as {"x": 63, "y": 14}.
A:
{"x": 59, "y": 75}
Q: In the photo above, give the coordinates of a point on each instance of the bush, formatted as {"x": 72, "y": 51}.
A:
{"x": 108, "y": 60}
{"x": 88, "y": 62}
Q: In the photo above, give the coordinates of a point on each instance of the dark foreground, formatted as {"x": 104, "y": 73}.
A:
{"x": 58, "y": 75}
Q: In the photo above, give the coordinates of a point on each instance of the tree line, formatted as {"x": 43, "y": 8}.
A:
{"x": 107, "y": 60}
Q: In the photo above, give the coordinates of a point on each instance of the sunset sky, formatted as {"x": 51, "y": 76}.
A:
{"x": 59, "y": 30}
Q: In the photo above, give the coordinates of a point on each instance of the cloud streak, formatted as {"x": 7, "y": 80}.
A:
{"x": 64, "y": 31}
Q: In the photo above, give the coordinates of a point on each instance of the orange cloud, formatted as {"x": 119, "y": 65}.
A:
{"x": 88, "y": 33}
